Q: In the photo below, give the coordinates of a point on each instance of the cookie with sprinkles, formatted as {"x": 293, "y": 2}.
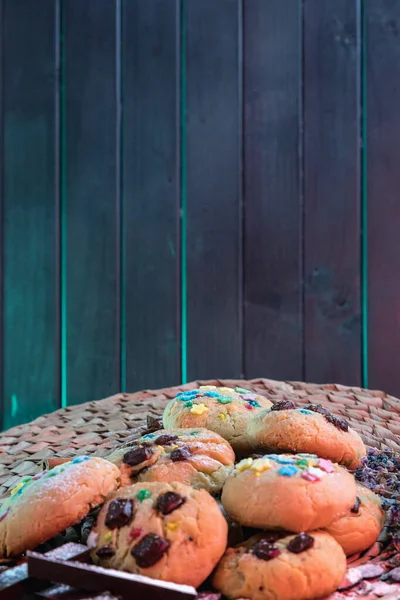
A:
{"x": 310, "y": 428}
{"x": 43, "y": 506}
{"x": 223, "y": 410}
{"x": 294, "y": 492}
{"x": 197, "y": 457}
{"x": 292, "y": 567}
{"x": 360, "y": 527}
{"x": 167, "y": 531}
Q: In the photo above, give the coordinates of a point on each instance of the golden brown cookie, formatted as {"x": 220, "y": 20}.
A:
{"x": 360, "y": 527}
{"x": 42, "y": 506}
{"x": 311, "y": 428}
{"x": 197, "y": 457}
{"x": 294, "y": 567}
{"x": 167, "y": 531}
{"x": 291, "y": 492}
{"x": 223, "y": 410}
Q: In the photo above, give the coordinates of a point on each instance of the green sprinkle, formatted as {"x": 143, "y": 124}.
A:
{"x": 225, "y": 399}
{"x": 25, "y": 479}
{"x": 189, "y": 404}
{"x": 302, "y": 463}
{"x": 241, "y": 390}
{"x": 143, "y": 495}
{"x": 51, "y": 473}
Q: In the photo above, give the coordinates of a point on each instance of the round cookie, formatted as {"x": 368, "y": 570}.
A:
{"x": 223, "y": 410}
{"x": 311, "y": 428}
{"x": 42, "y": 506}
{"x": 360, "y": 527}
{"x": 294, "y": 567}
{"x": 197, "y": 457}
{"x": 167, "y": 531}
{"x": 291, "y": 492}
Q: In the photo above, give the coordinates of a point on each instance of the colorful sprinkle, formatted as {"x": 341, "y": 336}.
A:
{"x": 189, "y": 404}
{"x": 171, "y": 526}
{"x": 249, "y": 396}
{"x": 207, "y": 388}
{"x": 211, "y": 394}
{"x": 135, "y": 533}
{"x": 302, "y": 463}
{"x": 4, "y": 514}
{"x": 249, "y": 406}
{"x": 198, "y": 409}
{"x": 79, "y": 459}
{"x": 149, "y": 436}
{"x": 17, "y": 488}
{"x": 305, "y": 412}
{"x": 288, "y": 471}
{"x": 92, "y": 539}
{"x": 222, "y": 416}
{"x": 225, "y": 390}
{"x": 224, "y": 399}
{"x": 326, "y": 465}
{"x": 254, "y": 403}
{"x": 285, "y": 460}
{"x": 241, "y": 390}
{"x": 108, "y": 537}
{"x": 309, "y": 476}
{"x": 260, "y": 465}
{"x": 244, "y": 464}
{"x": 143, "y": 495}
{"x": 316, "y": 472}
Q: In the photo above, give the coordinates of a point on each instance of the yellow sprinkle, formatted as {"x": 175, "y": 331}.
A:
{"x": 222, "y": 416}
{"x": 174, "y": 447}
{"x": 198, "y": 409}
{"x": 225, "y": 390}
{"x": 160, "y": 448}
{"x": 258, "y": 474}
{"x": 17, "y": 488}
{"x": 108, "y": 537}
{"x": 171, "y": 526}
{"x": 260, "y": 465}
{"x": 244, "y": 464}
{"x": 207, "y": 388}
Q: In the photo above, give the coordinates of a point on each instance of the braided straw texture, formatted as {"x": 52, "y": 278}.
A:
{"x": 97, "y": 427}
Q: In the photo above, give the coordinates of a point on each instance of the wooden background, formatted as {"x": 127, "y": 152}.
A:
{"x": 194, "y": 189}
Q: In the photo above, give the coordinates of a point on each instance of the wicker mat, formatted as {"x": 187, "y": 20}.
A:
{"x": 97, "y": 427}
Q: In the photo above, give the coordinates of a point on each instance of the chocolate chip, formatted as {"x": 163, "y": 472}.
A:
{"x": 149, "y": 550}
{"x": 264, "y": 550}
{"x": 165, "y": 439}
{"x": 356, "y": 506}
{"x": 317, "y": 408}
{"x": 300, "y": 543}
{"x": 105, "y": 552}
{"x": 338, "y": 422}
{"x": 137, "y": 456}
{"x": 119, "y": 513}
{"x": 169, "y": 502}
{"x": 283, "y": 405}
{"x": 178, "y": 454}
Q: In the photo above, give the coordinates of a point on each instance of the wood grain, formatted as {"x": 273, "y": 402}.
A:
{"x": 213, "y": 188}
{"x": 272, "y": 194}
{"x": 151, "y": 192}
{"x": 30, "y": 312}
{"x": 383, "y": 184}
{"x": 90, "y": 203}
{"x": 332, "y": 326}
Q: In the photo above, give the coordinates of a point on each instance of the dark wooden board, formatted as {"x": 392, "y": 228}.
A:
{"x": 90, "y": 208}
{"x": 212, "y": 189}
{"x": 272, "y": 199}
{"x": 383, "y": 185}
{"x": 332, "y": 325}
{"x": 29, "y": 154}
{"x": 151, "y": 193}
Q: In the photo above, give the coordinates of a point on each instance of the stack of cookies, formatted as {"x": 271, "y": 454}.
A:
{"x": 277, "y": 471}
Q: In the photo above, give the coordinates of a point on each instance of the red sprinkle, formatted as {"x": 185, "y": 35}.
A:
{"x": 135, "y": 533}
{"x": 249, "y": 406}
{"x": 3, "y": 516}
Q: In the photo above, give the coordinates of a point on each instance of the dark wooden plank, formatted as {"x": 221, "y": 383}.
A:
{"x": 30, "y": 313}
{"x": 151, "y": 192}
{"x": 383, "y": 184}
{"x": 92, "y": 351}
{"x": 272, "y": 259}
{"x": 332, "y": 326}
{"x": 212, "y": 131}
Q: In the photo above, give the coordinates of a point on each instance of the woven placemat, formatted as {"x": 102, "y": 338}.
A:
{"x": 97, "y": 427}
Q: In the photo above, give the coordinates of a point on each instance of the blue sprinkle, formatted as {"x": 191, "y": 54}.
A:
{"x": 288, "y": 471}
{"x": 284, "y": 461}
{"x": 211, "y": 394}
{"x": 305, "y": 412}
{"x": 254, "y": 403}
{"x": 79, "y": 459}
{"x": 148, "y": 435}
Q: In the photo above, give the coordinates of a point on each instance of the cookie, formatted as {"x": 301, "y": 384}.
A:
{"x": 42, "y": 506}
{"x": 197, "y": 457}
{"x": 311, "y": 428}
{"x": 291, "y": 492}
{"x": 167, "y": 531}
{"x": 223, "y": 410}
{"x": 294, "y": 567}
{"x": 360, "y": 527}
